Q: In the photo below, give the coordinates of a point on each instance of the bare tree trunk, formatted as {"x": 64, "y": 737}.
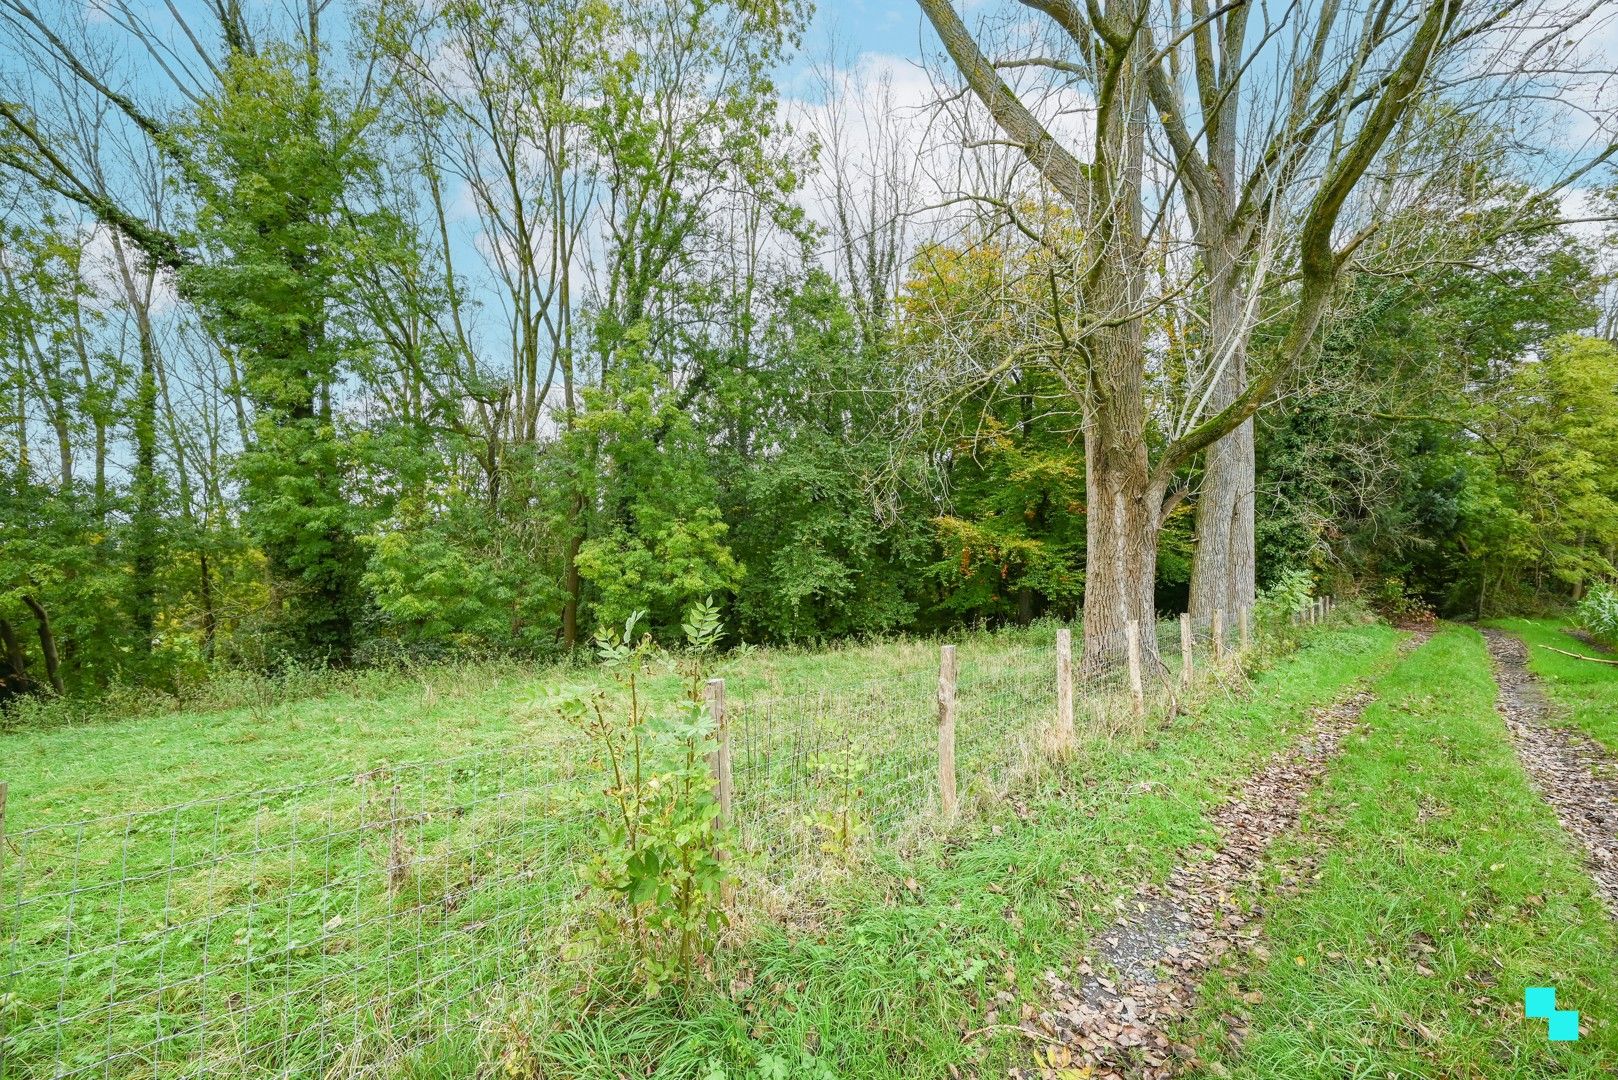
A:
{"x": 1121, "y": 541}
{"x": 210, "y": 621}
{"x": 573, "y": 585}
{"x": 47, "y": 643}
{"x": 16, "y": 680}
{"x": 1224, "y": 566}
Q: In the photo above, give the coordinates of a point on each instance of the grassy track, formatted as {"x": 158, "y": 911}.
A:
{"x": 884, "y": 981}
{"x": 1446, "y": 887}
{"x": 1584, "y": 695}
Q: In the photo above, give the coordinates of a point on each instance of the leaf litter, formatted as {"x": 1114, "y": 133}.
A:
{"x": 1113, "y": 1017}
{"x": 1574, "y": 774}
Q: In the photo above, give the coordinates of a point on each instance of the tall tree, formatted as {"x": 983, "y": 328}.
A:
{"x": 1353, "y": 79}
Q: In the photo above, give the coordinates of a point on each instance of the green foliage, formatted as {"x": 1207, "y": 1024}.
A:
{"x": 823, "y": 559}
{"x": 1011, "y": 537}
{"x": 402, "y": 401}
{"x": 272, "y": 155}
{"x": 659, "y": 862}
{"x": 1392, "y": 597}
{"x": 454, "y": 575}
{"x": 682, "y": 560}
{"x": 841, "y": 824}
{"x": 1598, "y": 612}
{"x": 1459, "y": 426}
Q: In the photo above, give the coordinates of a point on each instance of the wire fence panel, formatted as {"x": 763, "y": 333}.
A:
{"x": 274, "y": 933}
{"x": 326, "y": 928}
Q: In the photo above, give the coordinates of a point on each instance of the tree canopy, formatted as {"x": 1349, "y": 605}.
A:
{"x": 363, "y": 329}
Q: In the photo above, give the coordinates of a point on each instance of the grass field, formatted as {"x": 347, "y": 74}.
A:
{"x": 295, "y": 882}
{"x": 1583, "y": 695}
{"x": 199, "y": 932}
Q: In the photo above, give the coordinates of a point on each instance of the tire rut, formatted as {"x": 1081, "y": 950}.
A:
{"x": 1113, "y": 1019}
{"x": 1574, "y": 774}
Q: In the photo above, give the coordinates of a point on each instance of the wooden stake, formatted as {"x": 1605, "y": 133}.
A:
{"x": 1136, "y": 689}
{"x": 946, "y": 730}
{"x": 1064, "y": 687}
{"x": 719, "y": 761}
{"x": 1187, "y": 659}
{"x": 398, "y": 858}
{"x": 1218, "y": 636}
{"x": 1244, "y": 633}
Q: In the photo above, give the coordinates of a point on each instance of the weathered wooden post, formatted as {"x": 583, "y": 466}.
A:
{"x": 946, "y": 730}
{"x": 1064, "y": 687}
{"x": 1187, "y": 659}
{"x": 713, "y": 695}
{"x": 1137, "y": 690}
{"x": 1218, "y": 636}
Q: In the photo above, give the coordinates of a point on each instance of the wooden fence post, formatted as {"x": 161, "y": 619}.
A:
{"x": 1218, "y": 636}
{"x": 1064, "y": 687}
{"x": 1244, "y": 633}
{"x": 1187, "y": 658}
{"x": 398, "y": 858}
{"x": 1137, "y": 690}
{"x": 946, "y": 730}
{"x": 713, "y": 695}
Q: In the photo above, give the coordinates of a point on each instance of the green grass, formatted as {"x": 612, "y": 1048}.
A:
{"x": 323, "y": 725}
{"x": 1445, "y": 889}
{"x": 215, "y": 886}
{"x": 152, "y": 911}
{"x": 886, "y": 977}
{"x": 1582, "y": 694}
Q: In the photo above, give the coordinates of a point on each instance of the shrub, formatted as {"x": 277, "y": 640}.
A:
{"x": 658, "y": 868}
{"x": 1598, "y": 612}
{"x": 1395, "y": 602}
{"x": 1277, "y": 604}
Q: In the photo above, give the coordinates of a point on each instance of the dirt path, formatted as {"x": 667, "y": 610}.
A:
{"x": 1145, "y": 973}
{"x": 1577, "y": 776}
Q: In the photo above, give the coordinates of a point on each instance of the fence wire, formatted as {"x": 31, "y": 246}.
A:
{"x": 326, "y": 928}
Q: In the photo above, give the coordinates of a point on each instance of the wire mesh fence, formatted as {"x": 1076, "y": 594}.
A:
{"x": 331, "y": 927}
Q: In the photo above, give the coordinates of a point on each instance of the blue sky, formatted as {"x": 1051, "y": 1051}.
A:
{"x": 892, "y": 27}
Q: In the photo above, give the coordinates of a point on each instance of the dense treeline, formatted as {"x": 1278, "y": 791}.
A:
{"x": 403, "y": 327}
